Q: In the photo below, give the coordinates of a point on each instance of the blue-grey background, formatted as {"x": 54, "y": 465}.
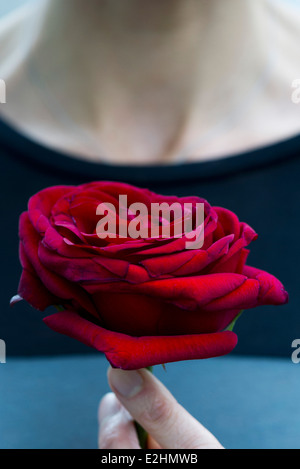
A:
{"x": 246, "y": 402}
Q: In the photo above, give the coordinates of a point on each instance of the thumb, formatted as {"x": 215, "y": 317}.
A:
{"x": 158, "y": 412}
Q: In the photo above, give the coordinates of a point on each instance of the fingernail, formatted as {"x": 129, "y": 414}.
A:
{"x": 126, "y": 383}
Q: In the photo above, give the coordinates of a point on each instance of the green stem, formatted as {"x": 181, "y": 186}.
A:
{"x": 141, "y": 432}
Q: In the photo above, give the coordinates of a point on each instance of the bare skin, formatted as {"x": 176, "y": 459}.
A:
{"x": 146, "y": 82}
{"x": 141, "y": 396}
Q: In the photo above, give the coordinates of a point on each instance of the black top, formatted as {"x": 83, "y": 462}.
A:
{"x": 261, "y": 187}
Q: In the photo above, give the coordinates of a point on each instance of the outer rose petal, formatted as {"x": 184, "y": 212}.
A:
{"x": 40, "y": 204}
{"x": 229, "y": 221}
{"x": 33, "y": 291}
{"x": 31, "y": 288}
{"x": 132, "y": 353}
{"x": 271, "y": 290}
{"x": 57, "y": 286}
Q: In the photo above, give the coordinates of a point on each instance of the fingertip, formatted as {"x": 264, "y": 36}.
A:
{"x": 125, "y": 383}
{"x": 116, "y": 427}
{"x": 108, "y": 406}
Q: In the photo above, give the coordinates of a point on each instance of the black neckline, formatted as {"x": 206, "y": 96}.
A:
{"x": 22, "y": 146}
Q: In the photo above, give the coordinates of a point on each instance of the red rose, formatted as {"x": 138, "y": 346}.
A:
{"x": 140, "y": 301}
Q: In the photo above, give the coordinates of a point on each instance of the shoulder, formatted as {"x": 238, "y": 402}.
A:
{"x": 285, "y": 14}
{"x": 14, "y": 37}
{"x": 18, "y": 35}
{"x": 284, "y": 40}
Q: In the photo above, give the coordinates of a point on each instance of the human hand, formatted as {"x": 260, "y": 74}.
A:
{"x": 139, "y": 395}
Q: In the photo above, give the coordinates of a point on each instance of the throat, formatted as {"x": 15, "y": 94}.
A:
{"x": 138, "y": 81}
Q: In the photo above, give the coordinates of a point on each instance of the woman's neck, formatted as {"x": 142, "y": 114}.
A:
{"x": 186, "y": 42}
{"x": 152, "y": 74}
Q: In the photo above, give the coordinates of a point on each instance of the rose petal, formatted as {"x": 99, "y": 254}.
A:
{"x": 131, "y": 353}
{"x": 57, "y": 286}
{"x": 32, "y": 290}
{"x": 271, "y": 290}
